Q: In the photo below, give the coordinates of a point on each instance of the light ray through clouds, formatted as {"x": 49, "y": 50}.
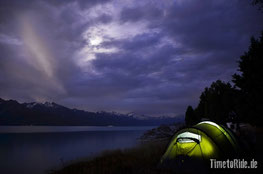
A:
{"x": 40, "y": 57}
{"x": 149, "y": 57}
{"x": 37, "y": 53}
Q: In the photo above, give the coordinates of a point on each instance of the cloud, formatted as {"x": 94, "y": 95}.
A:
{"x": 150, "y": 57}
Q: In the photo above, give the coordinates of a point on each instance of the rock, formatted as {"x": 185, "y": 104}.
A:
{"x": 163, "y": 132}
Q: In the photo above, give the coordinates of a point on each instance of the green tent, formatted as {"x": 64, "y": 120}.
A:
{"x": 204, "y": 141}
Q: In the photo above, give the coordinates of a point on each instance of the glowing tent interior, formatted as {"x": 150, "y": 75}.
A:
{"x": 204, "y": 141}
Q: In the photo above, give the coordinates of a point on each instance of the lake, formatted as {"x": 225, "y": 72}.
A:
{"x": 39, "y": 149}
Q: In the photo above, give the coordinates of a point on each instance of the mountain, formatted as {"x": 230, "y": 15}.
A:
{"x": 50, "y": 113}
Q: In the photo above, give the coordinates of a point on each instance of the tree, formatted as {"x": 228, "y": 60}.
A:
{"x": 217, "y": 102}
{"x": 190, "y": 118}
{"x": 250, "y": 81}
{"x": 259, "y": 3}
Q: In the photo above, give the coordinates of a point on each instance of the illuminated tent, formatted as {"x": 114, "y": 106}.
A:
{"x": 204, "y": 141}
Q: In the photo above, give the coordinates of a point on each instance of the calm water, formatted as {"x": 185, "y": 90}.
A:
{"x": 38, "y": 149}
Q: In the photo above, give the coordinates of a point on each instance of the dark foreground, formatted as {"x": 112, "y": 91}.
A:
{"x": 145, "y": 158}
{"x": 142, "y": 159}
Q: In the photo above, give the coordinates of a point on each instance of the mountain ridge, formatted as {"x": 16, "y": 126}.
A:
{"x": 50, "y": 113}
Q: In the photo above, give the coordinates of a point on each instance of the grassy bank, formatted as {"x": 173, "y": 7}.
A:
{"x": 143, "y": 158}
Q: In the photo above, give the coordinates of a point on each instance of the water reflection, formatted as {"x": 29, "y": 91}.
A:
{"x": 38, "y": 152}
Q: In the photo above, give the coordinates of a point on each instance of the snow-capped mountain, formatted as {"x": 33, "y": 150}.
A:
{"x": 50, "y": 113}
{"x": 45, "y": 104}
{"x": 138, "y": 116}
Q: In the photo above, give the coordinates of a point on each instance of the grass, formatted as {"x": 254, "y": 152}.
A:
{"x": 143, "y": 158}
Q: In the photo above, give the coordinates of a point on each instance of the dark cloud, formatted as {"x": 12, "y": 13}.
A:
{"x": 83, "y": 4}
{"x": 145, "y": 57}
{"x": 139, "y": 42}
{"x": 104, "y": 18}
{"x": 139, "y": 13}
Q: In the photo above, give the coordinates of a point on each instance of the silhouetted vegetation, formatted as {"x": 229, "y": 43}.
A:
{"x": 141, "y": 159}
{"x": 250, "y": 82}
{"x": 259, "y": 3}
{"x": 222, "y": 102}
{"x": 217, "y": 102}
{"x": 190, "y": 117}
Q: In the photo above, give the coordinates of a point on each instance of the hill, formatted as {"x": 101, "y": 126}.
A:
{"x": 53, "y": 114}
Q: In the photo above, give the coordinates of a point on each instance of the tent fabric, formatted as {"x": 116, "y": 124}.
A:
{"x": 203, "y": 141}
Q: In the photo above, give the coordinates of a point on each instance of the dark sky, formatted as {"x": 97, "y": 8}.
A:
{"x": 150, "y": 57}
